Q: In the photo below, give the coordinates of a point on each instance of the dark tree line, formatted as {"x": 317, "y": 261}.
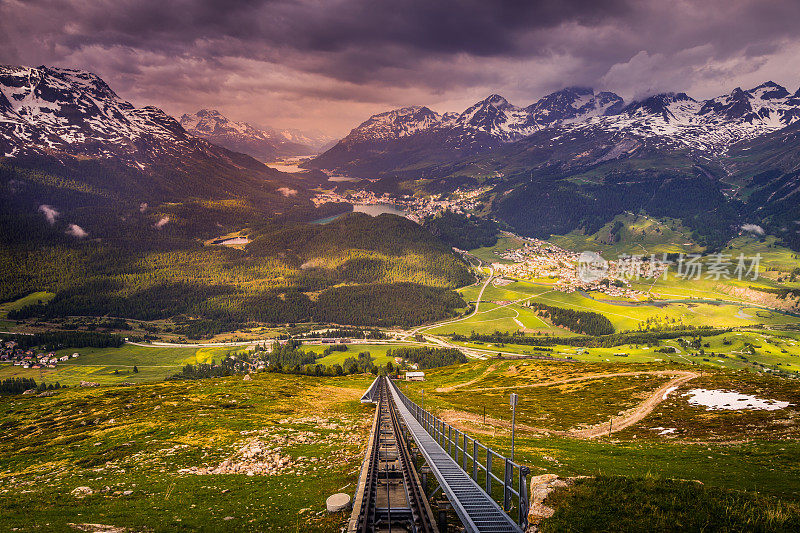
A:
{"x": 341, "y": 333}
{"x": 584, "y": 322}
{"x": 56, "y": 340}
{"x": 20, "y": 385}
{"x": 404, "y": 304}
{"x": 650, "y": 338}
{"x": 427, "y": 357}
{"x": 462, "y": 231}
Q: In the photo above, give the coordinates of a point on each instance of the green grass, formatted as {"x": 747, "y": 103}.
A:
{"x": 377, "y": 351}
{"x": 33, "y": 298}
{"x": 776, "y": 350}
{"x": 640, "y": 234}
{"x": 491, "y": 254}
{"x": 556, "y": 407}
{"x": 652, "y": 504}
{"x": 99, "y": 364}
{"x": 621, "y": 314}
{"x": 115, "y": 439}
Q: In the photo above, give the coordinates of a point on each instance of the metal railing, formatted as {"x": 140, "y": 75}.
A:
{"x": 500, "y": 477}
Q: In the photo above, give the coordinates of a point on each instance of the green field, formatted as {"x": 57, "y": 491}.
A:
{"x": 138, "y": 439}
{"x": 491, "y": 254}
{"x": 33, "y": 298}
{"x": 775, "y": 350}
{"x": 639, "y": 234}
{"x": 623, "y": 315}
{"x": 377, "y": 351}
{"x": 100, "y": 364}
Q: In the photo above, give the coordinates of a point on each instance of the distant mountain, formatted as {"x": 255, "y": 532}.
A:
{"x": 263, "y": 144}
{"x": 70, "y": 131}
{"x": 669, "y": 120}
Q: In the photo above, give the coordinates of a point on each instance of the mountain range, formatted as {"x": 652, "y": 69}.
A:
{"x": 418, "y": 137}
{"x": 264, "y": 144}
{"x": 576, "y": 158}
{"x": 70, "y": 143}
{"x": 71, "y": 123}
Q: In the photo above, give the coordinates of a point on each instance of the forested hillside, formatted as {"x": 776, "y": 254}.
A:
{"x": 357, "y": 270}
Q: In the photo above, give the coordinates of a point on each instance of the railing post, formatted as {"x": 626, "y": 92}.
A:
{"x": 475, "y": 460}
{"x": 523, "y": 497}
{"x": 465, "y": 452}
{"x": 507, "y": 469}
{"x": 488, "y": 472}
{"x": 449, "y": 439}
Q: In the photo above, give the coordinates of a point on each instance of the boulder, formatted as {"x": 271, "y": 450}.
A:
{"x": 541, "y": 487}
{"x": 81, "y": 492}
{"x": 338, "y": 502}
{"x": 247, "y": 377}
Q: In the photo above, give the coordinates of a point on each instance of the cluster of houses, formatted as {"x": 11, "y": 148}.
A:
{"x": 11, "y": 353}
{"x": 542, "y": 260}
{"x": 417, "y": 208}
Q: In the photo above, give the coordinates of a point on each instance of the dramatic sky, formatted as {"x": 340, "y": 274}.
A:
{"x": 329, "y": 64}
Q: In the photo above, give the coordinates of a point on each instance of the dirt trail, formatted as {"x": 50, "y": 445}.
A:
{"x": 634, "y": 415}
{"x": 585, "y": 377}
{"x": 622, "y": 421}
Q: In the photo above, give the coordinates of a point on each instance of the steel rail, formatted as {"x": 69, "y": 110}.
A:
{"x": 414, "y": 514}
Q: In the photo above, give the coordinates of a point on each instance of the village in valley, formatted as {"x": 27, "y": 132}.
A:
{"x": 12, "y": 353}
{"x": 416, "y": 208}
{"x": 545, "y": 262}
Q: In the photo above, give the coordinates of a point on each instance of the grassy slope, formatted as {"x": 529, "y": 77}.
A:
{"x": 137, "y": 438}
{"x": 98, "y": 364}
{"x": 741, "y": 450}
{"x": 33, "y": 298}
{"x": 640, "y": 235}
{"x": 649, "y": 504}
{"x": 377, "y": 351}
{"x": 774, "y": 349}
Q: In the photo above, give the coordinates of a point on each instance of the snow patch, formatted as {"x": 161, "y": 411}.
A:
{"x": 162, "y": 222}
{"x": 287, "y": 192}
{"x": 730, "y": 400}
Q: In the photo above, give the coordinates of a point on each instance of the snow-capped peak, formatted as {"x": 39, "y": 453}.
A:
{"x": 574, "y": 104}
{"x": 48, "y": 110}
{"x": 263, "y": 144}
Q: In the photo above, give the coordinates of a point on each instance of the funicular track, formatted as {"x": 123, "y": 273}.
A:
{"x": 390, "y": 496}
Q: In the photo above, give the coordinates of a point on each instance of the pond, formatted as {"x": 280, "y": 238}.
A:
{"x": 372, "y": 210}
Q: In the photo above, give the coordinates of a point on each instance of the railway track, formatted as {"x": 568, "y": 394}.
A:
{"x": 390, "y": 496}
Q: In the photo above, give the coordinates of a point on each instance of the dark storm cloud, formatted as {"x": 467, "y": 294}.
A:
{"x": 376, "y": 34}
{"x": 331, "y": 62}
